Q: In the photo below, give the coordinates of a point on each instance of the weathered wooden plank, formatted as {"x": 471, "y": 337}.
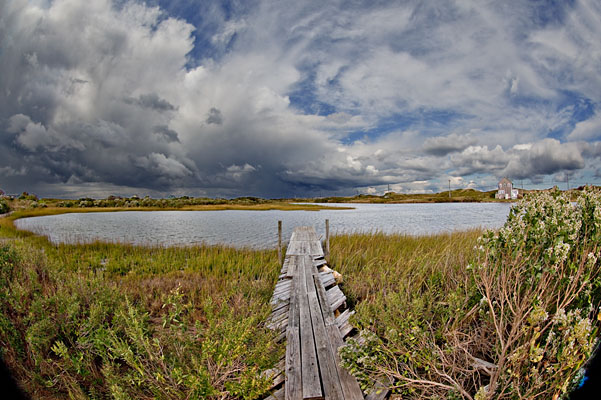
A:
{"x": 327, "y": 279}
{"x": 315, "y": 248}
{"x": 293, "y": 383}
{"x": 322, "y": 295}
{"x": 319, "y": 262}
{"x": 304, "y": 247}
{"x": 379, "y": 392}
{"x": 294, "y": 248}
{"x": 283, "y": 297}
{"x": 335, "y": 297}
{"x": 327, "y": 362}
{"x": 350, "y": 386}
{"x": 309, "y": 270}
{"x": 281, "y": 293}
{"x": 280, "y": 305}
{"x": 284, "y": 283}
{"x": 342, "y": 321}
{"x": 281, "y": 290}
{"x": 278, "y": 394}
{"x": 276, "y": 373}
{"x": 279, "y": 325}
{"x": 344, "y": 317}
{"x": 292, "y": 265}
{"x": 279, "y": 313}
{"x": 309, "y": 366}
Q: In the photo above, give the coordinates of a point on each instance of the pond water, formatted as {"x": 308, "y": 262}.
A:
{"x": 258, "y": 229}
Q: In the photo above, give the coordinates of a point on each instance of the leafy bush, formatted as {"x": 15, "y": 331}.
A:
{"x": 4, "y": 208}
{"x": 518, "y": 321}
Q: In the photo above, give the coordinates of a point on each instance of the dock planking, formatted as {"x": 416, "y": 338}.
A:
{"x": 311, "y": 368}
{"x": 300, "y": 300}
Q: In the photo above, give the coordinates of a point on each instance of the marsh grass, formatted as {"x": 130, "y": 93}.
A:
{"x": 120, "y": 321}
{"x": 379, "y": 265}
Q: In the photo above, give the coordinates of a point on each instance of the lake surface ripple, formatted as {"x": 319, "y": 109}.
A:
{"x": 258, "y": 229}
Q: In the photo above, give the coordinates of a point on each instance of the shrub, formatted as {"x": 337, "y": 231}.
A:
{"x": 518, "y": 322}
{"x": 4, "y": 208}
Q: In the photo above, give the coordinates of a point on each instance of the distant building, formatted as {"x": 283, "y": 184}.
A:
{"x": 506, "y": 190}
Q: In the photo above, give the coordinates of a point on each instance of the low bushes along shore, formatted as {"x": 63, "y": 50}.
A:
{"x": 511, "y": 315}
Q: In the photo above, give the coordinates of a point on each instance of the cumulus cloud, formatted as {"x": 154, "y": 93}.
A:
{"x": 162, "y": 166}
{"x": 587, "y": 129}
{"x": 443, "y": 145}
{"x": 546, "y": 157}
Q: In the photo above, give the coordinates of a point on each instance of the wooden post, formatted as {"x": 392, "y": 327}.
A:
{"x": 327, "y": 238}
{"x": 280, "y": 241}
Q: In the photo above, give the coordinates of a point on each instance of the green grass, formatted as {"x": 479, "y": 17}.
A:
{"x": 378, "y": 265}
{"x": 119, "y": 321}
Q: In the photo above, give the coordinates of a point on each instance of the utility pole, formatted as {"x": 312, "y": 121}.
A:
{"x": 449, "y": 188}
{"x": 568, "y": 180}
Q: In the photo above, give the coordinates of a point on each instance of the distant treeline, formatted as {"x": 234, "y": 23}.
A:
{"x": 135, "y": 201}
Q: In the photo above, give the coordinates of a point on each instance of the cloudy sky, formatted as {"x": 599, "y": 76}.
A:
{"x": 281, "y": 98}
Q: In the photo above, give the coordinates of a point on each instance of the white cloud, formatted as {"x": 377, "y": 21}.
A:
{"x": 589, "y": 129}
{"x": 163, "y": 166}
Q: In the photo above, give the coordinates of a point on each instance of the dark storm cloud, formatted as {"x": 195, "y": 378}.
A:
{"x": 215, "y": 117}
{"x": 167, "y": 134}
{"x": 152, "y": 101}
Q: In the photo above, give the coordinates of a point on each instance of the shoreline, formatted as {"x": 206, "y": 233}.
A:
{"x": 40, "y": 212}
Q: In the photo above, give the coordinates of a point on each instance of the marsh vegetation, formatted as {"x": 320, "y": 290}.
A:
{"x": 509, "y": 313}
{"x": 119, "y": 321}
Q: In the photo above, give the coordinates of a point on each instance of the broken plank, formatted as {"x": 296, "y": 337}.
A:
{"x": 327, "y": 279}
{"x": 335, "y": 297}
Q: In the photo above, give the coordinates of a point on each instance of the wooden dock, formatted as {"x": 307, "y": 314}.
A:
{"x": 307, "y": 311}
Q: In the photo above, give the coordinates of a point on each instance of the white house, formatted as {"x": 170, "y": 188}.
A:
{"x": 506, "y": 190}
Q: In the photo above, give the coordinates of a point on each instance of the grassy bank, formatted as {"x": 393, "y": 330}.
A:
{"x": 457, "y": 196}
{"x": 37, "y": 212}
{"x": 511, "y": 315}
{"x": 120, "y": 321}
{"x": 31, "y": 205}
